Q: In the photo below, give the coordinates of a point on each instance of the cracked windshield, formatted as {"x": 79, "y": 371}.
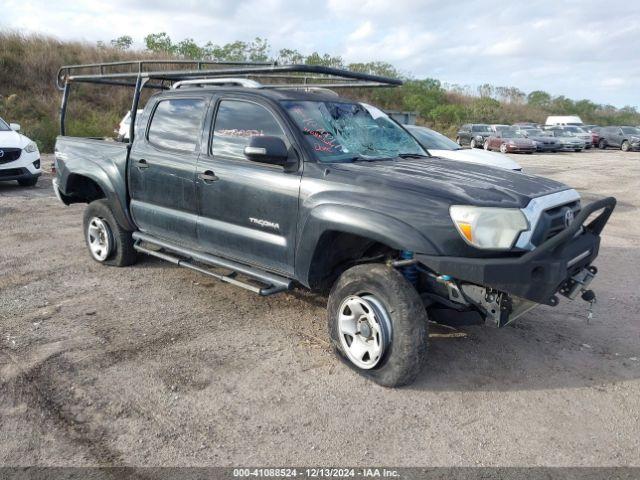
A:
{"x": 347, "y": 132}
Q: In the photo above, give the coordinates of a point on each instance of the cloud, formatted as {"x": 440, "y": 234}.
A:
{"x": 566, "y": 48}
{"x": 363, "y": 32}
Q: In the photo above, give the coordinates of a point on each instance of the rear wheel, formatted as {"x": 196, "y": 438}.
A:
{"x": 459, "y": 141}
{"x": 378, "y": 324}
{"x": 625, "y": 147}
{"x": 107, "y": 241}
{"x": 486, "y": 145}
{"x": 28, "y": 182}
{"x": 473, "y": 143}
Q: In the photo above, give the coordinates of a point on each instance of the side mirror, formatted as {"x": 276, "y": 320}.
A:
{"x": 15, "y": 127}
{"x": 267, "y": 149}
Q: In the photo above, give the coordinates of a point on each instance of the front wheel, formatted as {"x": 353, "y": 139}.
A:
{"x": 602, "y": 144}
{"x": 459, "y": 141}
{"x": 486, "y": 145}
{"x": 378, "y": 324}
{"x": 106, "y": 240}
{"x": 473, "y": 143}
{"x": 503, "y": 148}
{"x": 625, "y": 147}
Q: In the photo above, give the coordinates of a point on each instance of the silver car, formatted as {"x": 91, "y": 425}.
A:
{"x": 569, "y": 142}
{"x": 577, "y": 132}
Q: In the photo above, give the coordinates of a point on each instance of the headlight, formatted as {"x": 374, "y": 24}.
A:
{"x": 31, "y": 147}
{"x": 488, "y": 227}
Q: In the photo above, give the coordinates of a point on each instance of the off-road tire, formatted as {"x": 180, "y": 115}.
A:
{"x": 122, "y": 252}
{"x": 406, "y": 352}
{"x": 28, "y": 182}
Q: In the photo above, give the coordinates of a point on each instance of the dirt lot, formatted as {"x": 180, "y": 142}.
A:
{"x": 157, "y": 365}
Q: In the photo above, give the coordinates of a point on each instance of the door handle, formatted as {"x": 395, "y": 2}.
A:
{"x": 207, "y": 176}
{"x": 142, "y": 163}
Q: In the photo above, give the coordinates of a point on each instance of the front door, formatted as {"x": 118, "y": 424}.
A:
{"x": 248, "y": 210}
{"x": 162, "y": 170}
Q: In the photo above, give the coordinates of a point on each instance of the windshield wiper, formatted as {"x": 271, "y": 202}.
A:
{"x": 413, "y": 155}
{"x": 368, "y": 159}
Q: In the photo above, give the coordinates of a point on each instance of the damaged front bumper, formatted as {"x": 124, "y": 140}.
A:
{"x": 505, "y": 288}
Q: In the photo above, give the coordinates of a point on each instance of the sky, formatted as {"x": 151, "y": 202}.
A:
{"x": 577, "y": 48}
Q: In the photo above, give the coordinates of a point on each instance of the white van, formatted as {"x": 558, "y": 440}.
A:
{"x": 564, "y": 120}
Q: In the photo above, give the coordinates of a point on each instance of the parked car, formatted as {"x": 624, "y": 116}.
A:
{"x": 594, "y": 131}
{"x": 624, "y": 138}
{"x": 122, "y": 130}
{"x": 510, "y": 141}
{"x": 564, "y": 120}
{"x": 291, "y": 187}
{"x": 544, "y": 141}
{"x": 19, "y": 156}
{"x": 441, "y": 146}
{"x": 473, "y": 134}
{"x": 568, "y": 141}
{"x": 577, "y": 132}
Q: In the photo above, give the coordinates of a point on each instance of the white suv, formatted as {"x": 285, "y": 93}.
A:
{"x": 19, "y": 156}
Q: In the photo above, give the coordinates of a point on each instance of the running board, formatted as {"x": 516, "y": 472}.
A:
{"x": 275, "y": 283}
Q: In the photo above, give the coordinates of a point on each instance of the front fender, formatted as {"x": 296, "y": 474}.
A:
{"x": 358, "y": 221}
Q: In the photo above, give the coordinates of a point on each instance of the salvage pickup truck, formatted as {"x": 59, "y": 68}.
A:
{"x": 271, "y": 187}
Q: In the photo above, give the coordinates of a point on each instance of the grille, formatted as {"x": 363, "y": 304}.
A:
{"x": 552, "y": 222}
{"x": 11, "y": 172}
{"x": 9, "y": 154}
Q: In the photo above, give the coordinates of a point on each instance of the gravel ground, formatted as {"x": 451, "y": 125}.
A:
{"x": 157, "y": 365}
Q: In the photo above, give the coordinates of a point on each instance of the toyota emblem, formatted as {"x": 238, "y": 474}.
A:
{"x": 568, "y": 218}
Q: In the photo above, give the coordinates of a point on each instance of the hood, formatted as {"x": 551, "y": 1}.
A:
{"x": 569, "y": 139}
{"x": 456, "y": 182}
{"x": 482, "y": 157}
{"x": 11, "y": 139}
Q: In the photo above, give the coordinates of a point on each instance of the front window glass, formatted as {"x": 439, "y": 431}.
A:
{"x": 433, "y": 140}
{"x": 344, "y": 132}
{"x": 238, "y": 121}
{"x": 481, "y": 128}
{"x": 3, "y": 126}
{"x": 176, "y": 123}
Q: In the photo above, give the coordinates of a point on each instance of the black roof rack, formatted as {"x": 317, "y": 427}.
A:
{"x": 161, "y": 74}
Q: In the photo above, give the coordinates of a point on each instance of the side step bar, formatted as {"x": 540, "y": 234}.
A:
{"x": 275, "y": 283}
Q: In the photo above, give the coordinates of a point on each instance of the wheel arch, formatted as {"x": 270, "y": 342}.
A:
{"x": 87, "y": 186}
{"x": 358, "y": 233}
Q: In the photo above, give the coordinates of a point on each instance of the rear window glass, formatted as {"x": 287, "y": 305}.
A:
{"x": 176, "y": 123}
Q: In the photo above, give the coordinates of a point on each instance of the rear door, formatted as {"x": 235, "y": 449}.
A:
{"x": 248, "y": 210}
{"x": 162, "y": 168}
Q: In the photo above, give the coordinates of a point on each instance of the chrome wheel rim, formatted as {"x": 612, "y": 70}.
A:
{"x": 472, "y": 143}
{"x": 364, "y": 326}
{"x": 503, "y": 148}
{"x": 486, "y": 145}
{"x": 99, "y": 239}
